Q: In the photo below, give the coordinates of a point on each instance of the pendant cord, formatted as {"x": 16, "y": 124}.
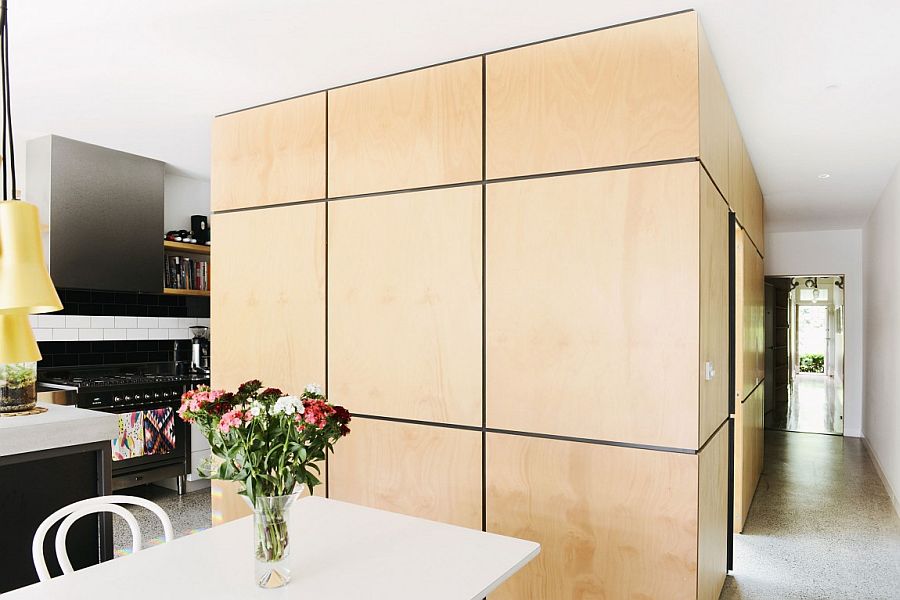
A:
{"x": 12, "y": 150}
{"x": 3, "y": 84}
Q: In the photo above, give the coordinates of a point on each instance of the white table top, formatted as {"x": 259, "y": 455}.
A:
{"x": 60, "y": 426}
{"x": 338, "y": 551}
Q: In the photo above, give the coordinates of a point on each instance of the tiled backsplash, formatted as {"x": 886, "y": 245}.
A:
{"x": 98, "y": 327}
{"x": 72, "y": 328}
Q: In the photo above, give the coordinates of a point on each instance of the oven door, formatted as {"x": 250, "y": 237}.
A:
{"x": 150, "y": 436}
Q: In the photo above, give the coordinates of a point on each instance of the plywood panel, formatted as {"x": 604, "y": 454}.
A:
{"x": 268, "y": 303}
{"x": 715, "y": 113}
{"x": 617, "y": 96}
{"x": 269, "y": 155}
{"x": 612, "y": 522}
{"x": 404, "y": 131}
{"x": 740, "y": 369}
{"x": 593, "y": 302}
{"x": 749, "y": 442}
{"x": 713, "y": 307}
{"x": 736, "y": 192}
{"x": 418, "y": 470}
{"x": 753, "y": 334}
{"x": 712, "y": 551}
{"x": 753, "y": 205}
{"x": 405, "y": 305}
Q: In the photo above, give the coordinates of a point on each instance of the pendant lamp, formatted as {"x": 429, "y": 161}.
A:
{"x": 17, "y": 343}
{"x": 25, "y": 285}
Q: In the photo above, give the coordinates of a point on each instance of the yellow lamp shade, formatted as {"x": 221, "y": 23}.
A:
{"x": 25, "y": 285}
{"x": 17, "y": 343}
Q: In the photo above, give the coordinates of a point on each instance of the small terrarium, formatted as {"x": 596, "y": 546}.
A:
{"x": 18, "y": 386}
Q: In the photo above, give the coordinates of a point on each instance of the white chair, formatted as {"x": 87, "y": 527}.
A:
{"x": 82, "y": 508}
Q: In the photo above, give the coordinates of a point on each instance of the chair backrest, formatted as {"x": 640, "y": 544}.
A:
{"x": 82, "y": 508}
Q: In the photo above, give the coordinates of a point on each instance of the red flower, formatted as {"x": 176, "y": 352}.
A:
{"x": 249, "y": 387}
{"x": 344, "y": 430}
{"x": 272, "y": 391}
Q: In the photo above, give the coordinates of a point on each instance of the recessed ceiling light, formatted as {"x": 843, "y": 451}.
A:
{"x": 824, "y": 175}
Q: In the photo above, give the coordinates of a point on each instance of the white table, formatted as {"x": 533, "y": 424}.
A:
{"x": 338, "y": 551}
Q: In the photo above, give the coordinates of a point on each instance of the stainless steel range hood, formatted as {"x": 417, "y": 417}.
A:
{"x": 104, "y": 209}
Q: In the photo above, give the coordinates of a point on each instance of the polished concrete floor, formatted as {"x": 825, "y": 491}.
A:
{"x": 189, "y": 513}
{"x": 816, "y": 405}
{"x": 821, "y": 526}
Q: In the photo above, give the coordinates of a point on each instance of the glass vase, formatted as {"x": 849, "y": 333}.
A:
{"x": 18, "y": 390}
{"x": 271, "y": 540}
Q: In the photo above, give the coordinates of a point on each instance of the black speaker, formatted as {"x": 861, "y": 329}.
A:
{"x": 200, "y": 228}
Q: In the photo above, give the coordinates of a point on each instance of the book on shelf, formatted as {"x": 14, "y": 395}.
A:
{"x": 185, "y": 273}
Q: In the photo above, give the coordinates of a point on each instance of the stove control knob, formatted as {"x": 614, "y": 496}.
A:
{"x": 147, "y": 396}
{"x": 127, "y": 398}
{"x": 156, "y": 394}
{"x": 116, "y": 399}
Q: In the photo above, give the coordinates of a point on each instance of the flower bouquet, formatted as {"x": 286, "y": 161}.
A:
{"x": 271, "y": 443}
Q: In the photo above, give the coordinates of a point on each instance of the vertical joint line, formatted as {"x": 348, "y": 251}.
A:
{"x": 483, "y": 293}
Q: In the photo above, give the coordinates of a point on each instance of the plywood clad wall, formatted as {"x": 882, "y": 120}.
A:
{"x": 714, "y": 307}
{"x": 612, "y": 522}
{"x": 548, "y": 103}
{"x": 753, "y": 335}
{"x": 424, "y": 471}
{"x": 578, "y": 268}
{"x": 404, "y": 293}
{"x": 415, "y": 129}
{"x": 521, "y": 341}
{"x": 273, "y": 154}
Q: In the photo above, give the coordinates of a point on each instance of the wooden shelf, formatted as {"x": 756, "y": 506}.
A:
{"x": 182, "y": 247}
{"x": 177, "y": 292}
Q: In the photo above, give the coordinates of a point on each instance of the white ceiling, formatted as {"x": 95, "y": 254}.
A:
{"x": 815, "y": 83}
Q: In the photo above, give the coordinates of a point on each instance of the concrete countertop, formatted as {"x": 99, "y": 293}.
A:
{"x": 59, "y": 427}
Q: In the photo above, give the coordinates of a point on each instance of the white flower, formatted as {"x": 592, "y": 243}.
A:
{"x": 314, "y": 389}
{"x": 287, "y": 405}
{"x": 255, "y": 408}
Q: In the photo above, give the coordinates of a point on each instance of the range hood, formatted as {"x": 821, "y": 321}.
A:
{"x": 104, "y": 209}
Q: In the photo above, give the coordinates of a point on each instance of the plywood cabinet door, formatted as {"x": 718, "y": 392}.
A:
{"x": 592, "y": 305}
{"x": 736, "y": 191}
{"x": 715, "y": 117}
{"x": 714, "y": 337}
{"x": 416, "y": 129}
{"x": 612, "y": 522}
{"x": 712, "y": 535}
{"x": 753, "y": 309}
{"x": 753, "y": 206}
{"x": 268, "y": 308}
{"x": 616, "y": 96}
{"x": 404, "y": 320}
{"x": 272, "y": 154}
{"x": 428, "y": 472}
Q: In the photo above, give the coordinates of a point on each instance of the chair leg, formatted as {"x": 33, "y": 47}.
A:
{"x": 180, "y": 483}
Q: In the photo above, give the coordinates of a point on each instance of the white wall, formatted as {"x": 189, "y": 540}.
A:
{"x": 881, "y": 252}
{"x": 185, "y": 196}
{"x": 830, "y": 253}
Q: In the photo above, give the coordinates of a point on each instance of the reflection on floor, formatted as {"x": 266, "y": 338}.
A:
{"x": 821, "y": 525}
{"x": 815, "y": 406}
{"x": 189, "y": 513}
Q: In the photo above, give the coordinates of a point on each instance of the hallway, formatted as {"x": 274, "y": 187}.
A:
{"x": 816, "y": 405}
{"x": 821, "y": 526}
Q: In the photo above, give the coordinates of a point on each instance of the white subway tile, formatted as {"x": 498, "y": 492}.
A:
{"x": 186, "y": 322}
{"x": 148, "y": 322}
{"x": 103, "y": 322}
{"x": 113, "y": 334}
{"x": 52, "y": 321}
{"x": 65, "y": 335}
{"x": 168, "y": 323}
{"x": 43, "y": 335}
{"x": 136, "y": 334}
{"x": 33, "y": 320}
{"x": 90, "y": 334}
{"x": 126, "y": 322}
{"x": 78, "y": 322}
{"x": 158, "y": 334}
{"x": 204, "y": 322}
{"x": 179, "y": 334}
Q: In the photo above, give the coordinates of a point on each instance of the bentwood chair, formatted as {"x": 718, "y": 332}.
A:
{"x": 71, "y": 513}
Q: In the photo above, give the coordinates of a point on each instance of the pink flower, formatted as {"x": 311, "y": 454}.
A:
{"x": 233, "y": 418}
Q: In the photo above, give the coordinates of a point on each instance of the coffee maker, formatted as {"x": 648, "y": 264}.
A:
{"x": 200, "y": 350}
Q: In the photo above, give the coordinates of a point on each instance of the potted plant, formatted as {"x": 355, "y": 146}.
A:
{"x": 18, "y": 386}
{"x": 272, "y": 444}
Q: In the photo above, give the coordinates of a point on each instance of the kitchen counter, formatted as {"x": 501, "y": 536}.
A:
{"x": 59, "y": 427}
{"x": 48, "y": 461}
